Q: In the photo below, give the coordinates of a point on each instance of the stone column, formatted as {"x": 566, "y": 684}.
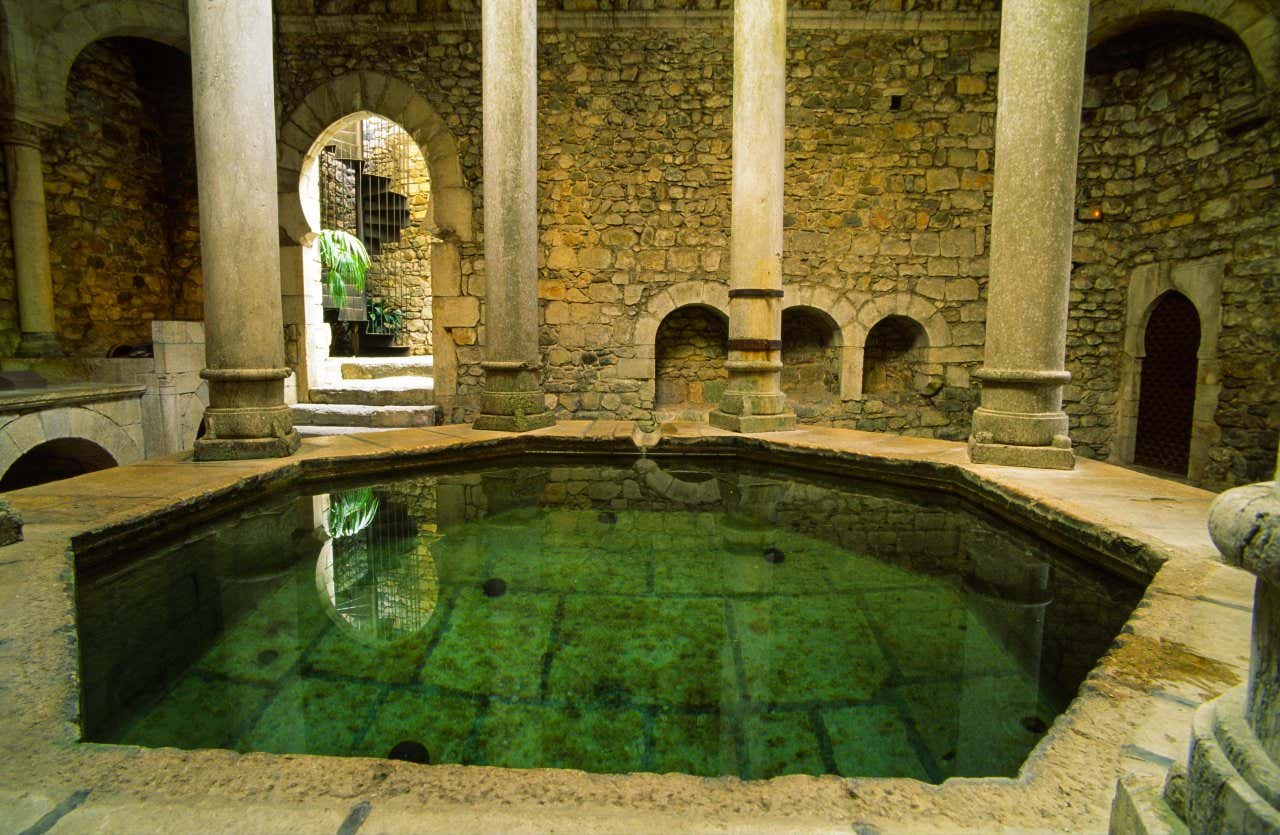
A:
{"x": 512, "y": 399}
{"x": 1233, "y": 775}
{"x": 25, "y": 173}
{"x": 1020, "y": 421}
{"x": 753, "y": 400}
{"x": 234, "y": 99}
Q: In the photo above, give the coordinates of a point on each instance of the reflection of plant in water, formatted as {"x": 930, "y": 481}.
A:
{"x": 351, "y": 512}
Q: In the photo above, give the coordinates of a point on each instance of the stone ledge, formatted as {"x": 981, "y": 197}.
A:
{"x": 54, "y": 397}
{"x": 604, "y": 22}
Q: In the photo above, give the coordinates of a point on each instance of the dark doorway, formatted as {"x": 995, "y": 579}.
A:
{"x": 1167, "y": 394}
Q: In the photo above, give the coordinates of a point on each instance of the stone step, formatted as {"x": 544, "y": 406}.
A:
{"x": 358, "y": 416}
{"x": 375, "y": 368}
{"x": 385, "y": 391}
{"x": 318, "y": 431}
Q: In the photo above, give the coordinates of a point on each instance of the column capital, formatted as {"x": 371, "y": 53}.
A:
{"x": 17, "y": 132}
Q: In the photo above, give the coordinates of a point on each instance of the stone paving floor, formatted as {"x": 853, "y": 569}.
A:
{"x": 1187, "y": 642}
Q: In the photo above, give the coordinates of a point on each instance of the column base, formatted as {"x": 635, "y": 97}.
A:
{"x": 39, "y": 345}
{"x": 1009, "y": 455}
{"x": 512, "y": 399}
{"x": 752, "y": 423}
{"x": 239, "y": 449}
{"x": 1232, "y": 784}
{"x": 237, "y": 433}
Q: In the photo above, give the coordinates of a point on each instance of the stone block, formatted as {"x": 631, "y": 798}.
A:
{"x": 457, "y": 311}
{"x": 636, "y": 369}
{"x": 925, "y": 243}
{"x": 962, "y": 289}
{"x": 931, "y": 288}
{"x": 958, "y": 243}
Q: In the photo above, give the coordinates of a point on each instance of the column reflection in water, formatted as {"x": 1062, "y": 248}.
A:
{"x": 1007, "y": 592}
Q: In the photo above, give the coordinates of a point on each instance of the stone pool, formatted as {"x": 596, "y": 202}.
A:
{"x": 670, "y": 614}
{"x": 1186, "y": 641}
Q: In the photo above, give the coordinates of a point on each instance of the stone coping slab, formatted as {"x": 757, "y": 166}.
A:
{"x": 63, "y": 396}
{"x": 1186, "y": 642}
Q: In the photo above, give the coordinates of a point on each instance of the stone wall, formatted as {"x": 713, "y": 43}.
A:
{"x": 1174, "y": 181}
{"x": 634, "y": 174}
{"x": 121, "y": 193}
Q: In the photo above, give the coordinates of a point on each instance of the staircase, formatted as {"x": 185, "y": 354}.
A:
{"x": 370, "y": 394}
{"x": 381, "y": 212}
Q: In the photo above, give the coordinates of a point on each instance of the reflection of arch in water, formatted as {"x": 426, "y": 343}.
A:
{"x": 380, "y": 585}
{"x": 668, "y": 486}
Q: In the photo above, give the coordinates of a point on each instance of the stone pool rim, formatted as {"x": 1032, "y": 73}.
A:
{"x": 1066, "y": 784}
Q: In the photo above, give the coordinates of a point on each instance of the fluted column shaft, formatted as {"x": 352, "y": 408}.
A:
{"x": 25, "y": 172}
{"x": 512, "y": 398}
{"x": 234, "y": 100}
{"x": 753, "y": 400}
{"x": 1021, "y": 421}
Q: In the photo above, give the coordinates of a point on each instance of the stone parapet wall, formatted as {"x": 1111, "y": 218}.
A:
{"x": 1174, "y": 182}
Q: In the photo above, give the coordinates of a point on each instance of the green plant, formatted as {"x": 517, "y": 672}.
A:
{"x": 382, "y": 319}
{"x": 351, "y": 512}
{"x": 344, "y": 261}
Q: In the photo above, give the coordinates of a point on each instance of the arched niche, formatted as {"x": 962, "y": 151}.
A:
{"x": 893, "y": 355}
{"x": 690, "y": 350}
{"x": 812, "y": 353}
{"x": 1250, "y": 22}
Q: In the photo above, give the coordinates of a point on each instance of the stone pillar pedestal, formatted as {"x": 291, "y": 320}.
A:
{"x": 233, "y": 95}
{"x": 753, "y": 400}
{"x": 25, "y": 173}
{"x": 512, "y": 400}
{"x": 1021, "y": 421}
{"x": 1233, "y": 775}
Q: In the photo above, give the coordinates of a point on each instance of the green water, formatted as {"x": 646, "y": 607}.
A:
{"x": 699, "y": 623}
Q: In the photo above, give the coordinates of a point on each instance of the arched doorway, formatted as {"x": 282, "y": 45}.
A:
{"x": 1167, "y": 392}
{"x": 373, "y": 183}
{"x": 55, "y": 460}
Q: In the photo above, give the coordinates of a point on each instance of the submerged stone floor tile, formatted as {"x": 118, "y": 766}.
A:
{"x": 694, "y": 743}
{"x": 620, "y": 650}
{"x": 807, "y": 649}
{"x": 981, "y": 729}
{"x": 927, "y": 632}
{"x": 600, "y": 740}
{"x": 438, "y": 721}
{"x": 200, "y": 712}
{"x": 782, "y": 742}
{"x": 313, "y": 716}
{"x": 494, "y": 644}
{"x": 872, "y": 741}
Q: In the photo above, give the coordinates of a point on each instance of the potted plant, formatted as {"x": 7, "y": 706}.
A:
{"x": 345, "y": 263}
{"x": 382, "y": 320}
